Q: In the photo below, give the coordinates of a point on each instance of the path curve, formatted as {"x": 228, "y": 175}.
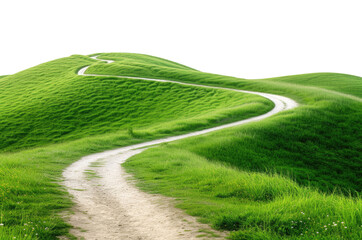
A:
{"x": 109, "y": 206}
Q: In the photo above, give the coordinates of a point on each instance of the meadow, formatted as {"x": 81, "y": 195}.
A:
{"x": 292, "y": 176}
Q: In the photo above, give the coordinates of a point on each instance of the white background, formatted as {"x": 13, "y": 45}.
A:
{"x": 248, "y": 39}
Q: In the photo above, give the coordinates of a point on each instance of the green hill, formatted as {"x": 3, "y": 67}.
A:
{"x": 285, "y": 177}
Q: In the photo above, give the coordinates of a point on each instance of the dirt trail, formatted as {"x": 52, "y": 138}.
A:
{"x": 109, "y": 206}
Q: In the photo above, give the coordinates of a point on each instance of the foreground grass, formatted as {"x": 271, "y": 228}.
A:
{"x": 82, "y": 115}
{"x": 251, "y": 205}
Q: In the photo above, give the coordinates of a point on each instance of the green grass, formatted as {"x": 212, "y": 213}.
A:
{"x": 300, "y": 165}
{"x": 255, "y": 205}
{"x": 52, "y": 117}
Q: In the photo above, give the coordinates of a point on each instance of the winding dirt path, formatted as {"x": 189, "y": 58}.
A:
{"x": 109, "y": 206}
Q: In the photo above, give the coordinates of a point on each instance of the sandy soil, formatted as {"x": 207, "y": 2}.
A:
{"x": 109, "y": 206}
